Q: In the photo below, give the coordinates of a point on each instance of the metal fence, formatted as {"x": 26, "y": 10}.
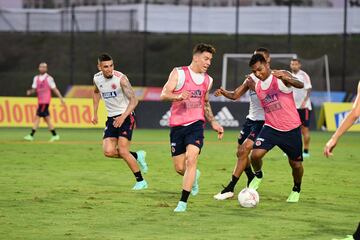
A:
{"x": 61, "y": 20}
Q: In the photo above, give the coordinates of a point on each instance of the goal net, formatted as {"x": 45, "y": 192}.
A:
{"x": 235, "y": 67}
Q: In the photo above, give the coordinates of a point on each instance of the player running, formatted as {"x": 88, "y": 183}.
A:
{"x": 251, "y": 128}
{"x": 302, "y": 102}
{"x": 282, "y": 122}
{"x": 42, "y": 85}
{"x": 120, "y": 101}
{"x": 188, "y": 89}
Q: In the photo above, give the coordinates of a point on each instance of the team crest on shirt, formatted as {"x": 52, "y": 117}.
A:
{"x": 259, "y": 141}
{"x": 113, "y": 86}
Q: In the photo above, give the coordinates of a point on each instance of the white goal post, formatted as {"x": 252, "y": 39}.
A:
{"x": 274, "y": 56}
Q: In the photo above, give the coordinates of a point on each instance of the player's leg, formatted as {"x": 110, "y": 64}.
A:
{"x": 179, "y": 164}
{"x": 193, "y": 139}
{"x": 51, "y": 128}
{"x": 242, "y": 164}
{"x": 110, "y": 147}
{"x": 36, "y": 123}
{"x": 124, "y": 153}
{"x": 228, "y": 191}
{"x": 265, "y": 141}
{"x": 292, "y": 145}
{"x": 191, "y": 155}
{"x": 305, "y": 130}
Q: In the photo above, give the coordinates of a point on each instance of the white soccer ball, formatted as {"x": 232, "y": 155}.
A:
{"x": 248, "y": 198}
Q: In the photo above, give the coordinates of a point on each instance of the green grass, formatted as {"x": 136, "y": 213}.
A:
{"x": 68, "y": 190}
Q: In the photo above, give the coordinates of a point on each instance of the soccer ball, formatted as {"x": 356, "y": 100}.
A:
{"x": 248, "y": 198}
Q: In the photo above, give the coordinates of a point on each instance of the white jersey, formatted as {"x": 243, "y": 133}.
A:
{"x": 300, "y": 93}
{"x": 198, "y": 78}
{"x": 42, "y": 77}
{"x": 111, "y": 92}
{"x": 256, "y": 111}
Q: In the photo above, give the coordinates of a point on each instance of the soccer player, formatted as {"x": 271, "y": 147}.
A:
{"x": 188, "y": 89}
{"x": 120, "y": 101}
{"x": 251, "y": 128}
{"x": 302, "y": 102}
{"x": 282, "y": 122}
{"x": 330, "y": 145}
{"x": 42, "y": 85}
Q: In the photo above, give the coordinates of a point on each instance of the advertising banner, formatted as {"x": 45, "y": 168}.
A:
{"x": 76, "y": 113}
{"x": 333, "y": 114}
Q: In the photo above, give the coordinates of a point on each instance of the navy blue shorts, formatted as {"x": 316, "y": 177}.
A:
{"x": 250, "y": 130}
{"x": 125, "y": 130}
{"x": 304, "y": 115}
{"x": 181, "y": 136}
{"x": 289, "y": 142}
{"x": 43, "y": 110}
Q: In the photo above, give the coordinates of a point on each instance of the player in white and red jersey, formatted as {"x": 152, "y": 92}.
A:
{"x": 42, "y": 85}
{"x": 282, "y": 122}
{"x": 120, "y": 102}
{"x": 188, "y": 89}
{"x": 251, "y": 128}
{"x": 302, "y": 102}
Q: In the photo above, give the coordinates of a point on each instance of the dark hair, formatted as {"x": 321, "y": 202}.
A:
{"x": 295, "y": 60}
{"x": 104, "y": 57}
{"x": 256, "y": 58}
{"x": 203, "y": 47}
{"x": 263, "y": 50}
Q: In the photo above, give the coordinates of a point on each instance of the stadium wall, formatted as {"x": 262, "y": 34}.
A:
{"x": 20, "y": 54}
{"x": 77, "y": 113}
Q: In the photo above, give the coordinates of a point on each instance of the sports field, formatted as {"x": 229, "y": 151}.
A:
{"x": 68, "y": 190}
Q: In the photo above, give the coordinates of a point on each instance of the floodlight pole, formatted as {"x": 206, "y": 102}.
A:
{"x": 344, "y": 48}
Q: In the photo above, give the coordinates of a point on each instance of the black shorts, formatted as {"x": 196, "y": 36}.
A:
{"x": 43, "y": 110}
{"x": 250, "y": 130}
{"x": 304, "y": 115}
{"x": 289, "y": 142}
{"x": 125, "y": 130}
{"x": 181, "y": 136}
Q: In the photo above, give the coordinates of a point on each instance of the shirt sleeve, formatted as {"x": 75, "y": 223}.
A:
{"x": 181, "y": 79}
{"x": 283, "y": 87}
{"x": 51, "y": 82}
{"x": 307, "y": 81}
{"x": 34, "y": 83}
{"x": 211, "y": 80}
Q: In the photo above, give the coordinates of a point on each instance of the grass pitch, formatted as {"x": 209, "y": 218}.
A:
{"x": 69, "y": 190}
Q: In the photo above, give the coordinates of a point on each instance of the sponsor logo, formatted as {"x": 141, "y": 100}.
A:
{"x": 340, "y": 116}
{"x": 226, "y": 119}
{"x": 164, "y": 121}
{"x": 107, "y": 95}
{"x": 173, "y": 144}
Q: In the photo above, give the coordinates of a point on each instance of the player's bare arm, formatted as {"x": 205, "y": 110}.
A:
{"x": 233, "y": 95}
{"x": 58, "y": 94}
{"x": 133, "y": 101}
{"x": 30, "y": 91}
{"x": 210, "y": 117}
{"x": 96, "y": 100}
{"x": 308, "y": 91}
{"x": 288, "y": 79}
{"x": 167, "y": 91}
{"x": 345, "y": 125}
